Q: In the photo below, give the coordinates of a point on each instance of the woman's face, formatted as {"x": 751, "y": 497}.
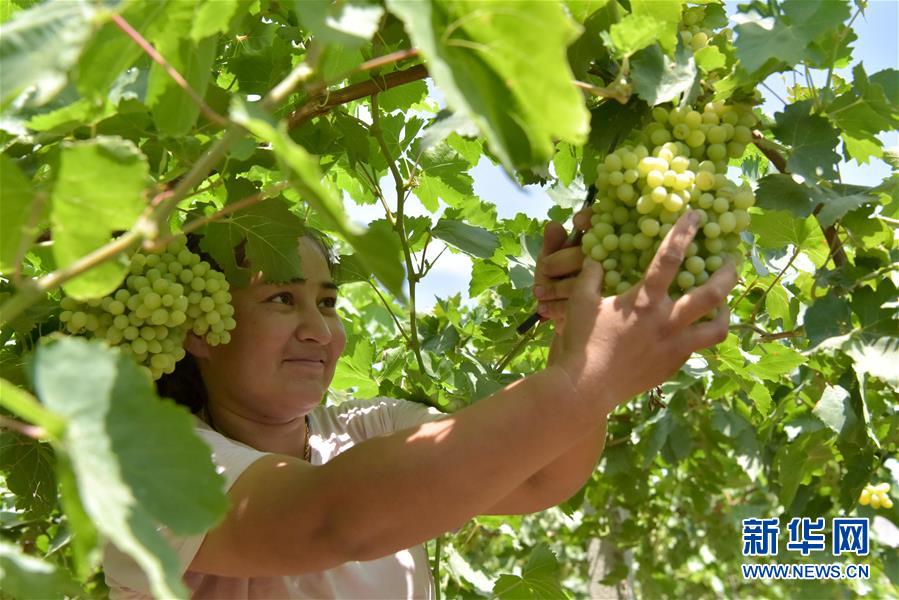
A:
{"x": 284, "y": 350}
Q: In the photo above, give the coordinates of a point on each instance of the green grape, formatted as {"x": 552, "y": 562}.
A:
{"x": 735, "y": 149}
{"x": 705, "y": 180}
{"x": 673, "y": 203}
{"x": 727, "y": 221}
{"x": 612, "y": 162}
{"x": 139, "y": 346}
{"x": 699, "y": 41}
{"x": 744, "y": 199}
{"x": 694, "y": 264}
{"x": 712, "y": 230}
{"x": 659, "y": 194}
{"x": 686, "y": 280}
{"x": 152, "y": 300}
{"x": 161, "y": 286}
{"x": 611, "y": 279}
{"x": 713, "y": 245}
{"x": 659, "y": 137}
{"x": 717, "y": 135}
{"x": 599, "y": 252}
{"x": 645, "y": 205}
{"x": 720, "y": 204}
{"x": 716, "y": 152}
{"x": 159, "y": 316}
{"x": 616, "y": 178}
{"x": 610, "y": 242}
{"x": 77, "y": 321}
{"x": 114, "y": 336}
{"x": 713, "y": 263}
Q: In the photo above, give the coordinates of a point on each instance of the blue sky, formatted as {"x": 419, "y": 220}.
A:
{"x": 877, "y": 48}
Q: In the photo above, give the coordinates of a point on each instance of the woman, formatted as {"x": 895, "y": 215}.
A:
{"x": 337, "y": 501}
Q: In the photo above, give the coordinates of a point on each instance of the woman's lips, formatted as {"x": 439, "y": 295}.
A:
{"x": 307, "y": 363}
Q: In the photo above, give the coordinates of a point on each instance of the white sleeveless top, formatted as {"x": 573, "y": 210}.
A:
{"x": 333, "y": 429}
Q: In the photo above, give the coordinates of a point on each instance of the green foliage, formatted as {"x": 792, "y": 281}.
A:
{"x": 792, "y": 415}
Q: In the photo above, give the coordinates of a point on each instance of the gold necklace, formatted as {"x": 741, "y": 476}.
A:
{"x": 307, "y": 449}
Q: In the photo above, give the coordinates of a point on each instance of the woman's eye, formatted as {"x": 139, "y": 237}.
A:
{"x": 282, "y": 298}
{"x": 329, "y": 302}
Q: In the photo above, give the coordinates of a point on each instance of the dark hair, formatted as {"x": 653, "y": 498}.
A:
{"x": 185, "y": 384}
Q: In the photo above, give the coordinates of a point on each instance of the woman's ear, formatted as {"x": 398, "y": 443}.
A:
{"x": 196, "y": 345}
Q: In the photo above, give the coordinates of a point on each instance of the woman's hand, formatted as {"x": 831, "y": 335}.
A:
{"x": 627, "y": 344}
{"x": 557, "y": 268}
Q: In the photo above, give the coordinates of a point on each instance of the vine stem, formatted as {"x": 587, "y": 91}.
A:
{"x": 836, "y": 47}
{"x": 324, "y": 101}
{"x": 32, "y": 431}
{"x": 602, "y": 92}
{"x": 758, "y": 304}
{"x": 400, "y": 228}
{"x": 438, "y": 551}
{"x": 387, "y": 306}
{"x": 148, "y": 48}
{"x": 515, "y": 350}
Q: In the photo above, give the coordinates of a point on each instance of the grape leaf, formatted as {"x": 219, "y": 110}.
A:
{"x": 39, "y": 46}
{"x": 776, "y": 360}
{"x": 780, "y": 191}
{"x": 659, "y": 79}
{"x": 520, "y": 93}
{"x": 709, "y": 59}
{"x": 174, "y": 112}
{"x": 127, "y": 485}
{"x": 631, "y": 34}
{"x": 28, "y": 471}
{"x": 472, "y": 240}
{"x": 484, "y": 276}
{"x": 349, "y": 23}
{"x": 354, "y": 371}
{"x": 565, "y": 162}
{"x": 26, "y": 576}
{"x": 761, "y": 40}
{"x": 876, "y": 356}
{"x": 15, "y": 206}
{"x": 812, "y": 138}
{"x": 271, "y": 233}
{"x": 666, "y": 14}
{"x": 839, "y": 201}
{"x": 835, "y": 410}
{"x": 215, "y": 16}
{"x": 827, "y": 317}
{"x": 778, "y": 229}
{"x": 539, "y": 578}
{"x": 444, "y": 175}
{"x": 103, "y": 177}
{"x": 110, "y": 51}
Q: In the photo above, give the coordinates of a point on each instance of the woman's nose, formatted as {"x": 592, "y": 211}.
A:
{"x": 312, "y": 325}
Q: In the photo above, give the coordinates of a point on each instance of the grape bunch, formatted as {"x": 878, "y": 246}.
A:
{"x": 165, "y": 296}
{"x": 876, "y": 496}
{"x": 679, "y": 164}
